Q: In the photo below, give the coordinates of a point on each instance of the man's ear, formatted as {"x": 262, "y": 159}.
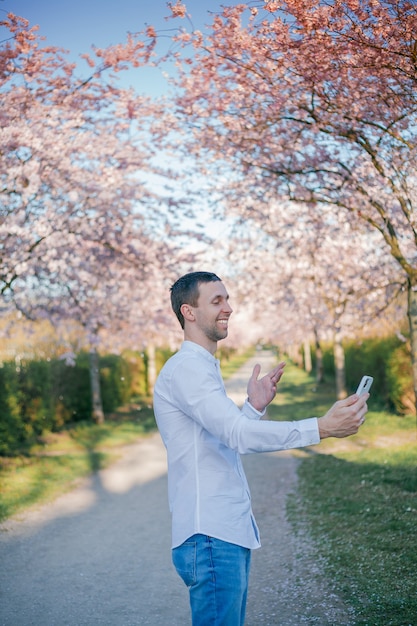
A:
{"x": 187, "y": 312}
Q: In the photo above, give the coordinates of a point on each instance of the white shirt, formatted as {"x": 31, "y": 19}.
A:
{"x": 204, "y": 433}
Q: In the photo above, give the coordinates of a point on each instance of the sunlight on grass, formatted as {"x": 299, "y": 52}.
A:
{"x": 61, "y": 458}
{"x": 27, "y": 482}
{"x": 298, "y": 396}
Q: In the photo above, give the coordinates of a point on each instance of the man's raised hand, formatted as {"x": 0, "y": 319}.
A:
{"x": 261, "y": 392}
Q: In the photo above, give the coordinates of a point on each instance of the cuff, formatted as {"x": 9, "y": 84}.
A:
{"x": 310, "y": 432}
{"x": 251, "y": 412}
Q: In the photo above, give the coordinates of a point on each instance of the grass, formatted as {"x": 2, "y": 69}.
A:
{"x": 358, "y": 500}
{"x": 361, "y": 509}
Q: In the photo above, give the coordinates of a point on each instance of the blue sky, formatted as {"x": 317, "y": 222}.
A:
{"x": 77, "y": 24}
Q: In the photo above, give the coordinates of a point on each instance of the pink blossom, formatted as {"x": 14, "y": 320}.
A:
{"x": 178, "y": 9}
{"x": 271, "y": 5}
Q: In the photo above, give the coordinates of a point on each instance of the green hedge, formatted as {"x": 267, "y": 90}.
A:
{"x": 46, "y": 395}
{"x": 388, "y": 360}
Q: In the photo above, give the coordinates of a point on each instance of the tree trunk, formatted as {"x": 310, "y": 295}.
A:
{"x": 319, "y": 360}
{"x": 307, "y": 356}
{"x": 339, "y": 365}
{"x": 412, "y": 320}
{"x": 151, "y": 367}
{"x": 98, "y": 414}
{"x": 295, "y": 354}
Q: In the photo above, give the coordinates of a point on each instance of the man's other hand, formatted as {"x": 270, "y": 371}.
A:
{"x": 344, "y": 418}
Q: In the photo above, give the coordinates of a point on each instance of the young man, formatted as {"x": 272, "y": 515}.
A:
{"x": 213, "y": 528}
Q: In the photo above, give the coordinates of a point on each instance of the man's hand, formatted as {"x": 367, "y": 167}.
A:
{"x": 344, "y": 418}
{"x": 262, "y": 392}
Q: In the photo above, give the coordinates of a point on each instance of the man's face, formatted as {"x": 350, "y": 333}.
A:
{"x": 213, "y": 311}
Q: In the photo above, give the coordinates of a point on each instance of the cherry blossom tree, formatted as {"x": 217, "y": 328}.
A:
{"x": 313, "y": 102}
{"x": 82, "y": 234}
{"x": 68, "y": 163}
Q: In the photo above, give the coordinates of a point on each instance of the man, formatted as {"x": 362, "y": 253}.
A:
{"x": 213, "y": 528}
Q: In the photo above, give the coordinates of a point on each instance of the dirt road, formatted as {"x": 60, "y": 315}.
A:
{"x": 100, "y": 555}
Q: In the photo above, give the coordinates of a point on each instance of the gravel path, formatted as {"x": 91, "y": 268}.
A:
{"x": 100, "y": 555}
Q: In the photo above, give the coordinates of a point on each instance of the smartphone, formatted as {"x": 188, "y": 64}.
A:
{"x": 364, "y": 385}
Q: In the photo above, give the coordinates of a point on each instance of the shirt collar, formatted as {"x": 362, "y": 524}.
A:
{"x": 195, "y": 347}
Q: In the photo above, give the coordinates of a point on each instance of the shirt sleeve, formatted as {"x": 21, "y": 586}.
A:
{"x": 199, "y": 393}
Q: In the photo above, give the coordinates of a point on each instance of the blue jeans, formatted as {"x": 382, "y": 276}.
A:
{"x": 217, "y": 575}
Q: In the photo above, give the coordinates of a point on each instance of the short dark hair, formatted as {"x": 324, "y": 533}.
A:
{"x": 185, "y": 291}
